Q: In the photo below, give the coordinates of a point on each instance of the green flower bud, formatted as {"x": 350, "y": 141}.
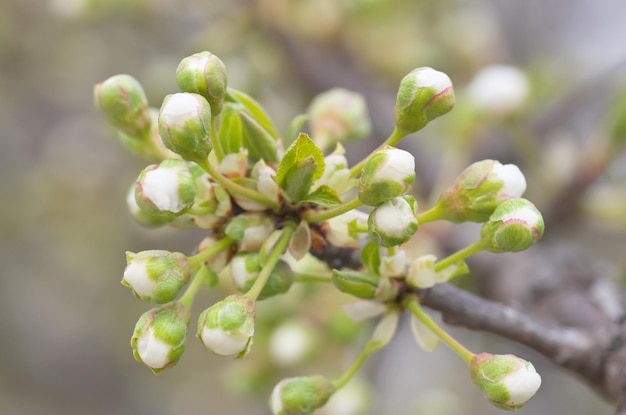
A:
{"x": 424, "y": 95}
{"x": 227, "y": 327}
{"x": 507, "y": 381}
{"x": 514, "y": 226}
{"x": 245, "y": 268}
{"x": 166, "y": 189}
{"x": 479, "y": 189}
{"x": 250, "y": 229}
{"x": 158, "y": 340}
{"x": 393, "y": 223}
{"x": 156, "y": 276}
{"x": 388, "y": 173}
{"x": 341, "y": 230}
{"x": 205, "y": 74}
{"x": 185, "y": 125}
{"x": 122, "y": 100}
{"x": 300, "y": 395}
{"x": 364, "y": 285}
{"x": 338, "y": 115}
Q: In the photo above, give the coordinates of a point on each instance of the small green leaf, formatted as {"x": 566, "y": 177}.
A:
{"x": 324, "y": 196}
{"x": 230, "y": 135}
{"x": 255, "y": 111}
{"x": 299, "y": 150}
{"x": 299, "y": 179}
{"x": 258, "y": 141}
{"x": 370, "y": 257}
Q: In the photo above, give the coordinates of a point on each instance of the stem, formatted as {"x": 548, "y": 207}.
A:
{"x": 191, "y": 291}
{"x": 312, "y": 277}
{"x": 277, "y": 250}
{"x": 219, "y": 152}
{"x": 459, "y": 256}
{"x": 237, "y": 189}
{"x": 318, "y": 216}
{"x": 345, "y": 378}
{"x": 457, "y": 347}
{"x": 210, "y": 252}
{"x": 392, "y": 140}
{"x": 434, "y": 213}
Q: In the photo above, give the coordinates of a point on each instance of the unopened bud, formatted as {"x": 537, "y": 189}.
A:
{"x": 479, "y": 189}
{"x": 250, "y": 229}
{"x": 424, "y": 95}
{"x": 338, "y": 115}
{"x": 205, "y": 74}
{"x": 185, "y": 125}
{"x": 341, "y": 230}
{"x": 245, "y": 268}
{"x": 393, "y": 266}
{"x": 514, "y": 226}
{"x": 386, "y": 174}
{"x": 122, "y": 100}
{"x": 507, "y": 381}
{"x": 227, "y": 327}
{"x": 159, "y": 337}
{"x": 300, "y": 395}
{"x": 393, "y": 223}
{"x": 364, "y": 285}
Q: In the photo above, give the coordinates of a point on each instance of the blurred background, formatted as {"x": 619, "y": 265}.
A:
{"x": 65, "y": 318}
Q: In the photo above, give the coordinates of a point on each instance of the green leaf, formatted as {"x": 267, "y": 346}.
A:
{"x": 230, "y": 134}
{"x": 259, "y": 142}
{"x": 323, "y": 195}
{"x": 299, "y": 150}
{"x": 255, "y": 111}
{"x": 299, "y": 179}
{"x": 370, "y": 257}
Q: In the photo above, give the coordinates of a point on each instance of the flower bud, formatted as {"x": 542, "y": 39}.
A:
{"x": 159, "y": 337}
{"x": 146, "y": 219}
{"x": 165, "y": 189}
{"x": 393, "y": 223}
{"x": 507, "y": 381}
{"x": 393, "y": 266}
{"x": 388, "y": 173}
{"x": 227, "y": 327}
{"x": 234, "y": 165}
{"x": 250, "y": 229}
{"x": 156, "y": 276}
{"x": 205, "y": 74}
{"x": 424, "y": 95}
{"x": 514, "y": 226}
{"x": 300, "y": 395}
{"x": 292, "y": 342}
{"x": 122, "y": 100}
{"x": 185, "y": 125}
{"x": 265, "y": 181}
{"x": 364, "y": 285}
{"x": 336, "y": 173}
{"x": 219, "y": 261}
{"x": 422, "y": 273}
{"x": 479, "y": 189}
{"x": 499, "y": 90}
{"x": 338, "y": 115}
{"x": 245, "y": 268}
{"x": 341, "y": 230}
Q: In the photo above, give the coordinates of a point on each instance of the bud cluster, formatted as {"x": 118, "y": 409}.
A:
{"x": 219, "y": 166}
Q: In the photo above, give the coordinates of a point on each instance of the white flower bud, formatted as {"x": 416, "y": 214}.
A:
{"x": 227, "y": 327}
{"x": 265, "y": 181}
{"x": 507, "y": 381}
{"x": 339, "y": 230}
{"x": 234, "y": 165}
{"x": 388, "y": 173}
{"x": 291, "y": 343}
{"x": 499, "y": 90}
{"x": 393, "y": 223}
{"x": 250, "y": 229}
{"x": 393, "y": 266}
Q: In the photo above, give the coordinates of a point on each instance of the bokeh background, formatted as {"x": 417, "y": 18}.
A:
{"x": 66, "y": 321}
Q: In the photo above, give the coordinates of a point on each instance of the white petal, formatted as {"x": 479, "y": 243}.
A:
{"x": 399, "y": 165}
{"x": 179, "y": 108}
{"x": 424, "y": 336}
{"x": 161, "y": 187}
{"x": 153, "y": 351}
{"x": 522, "y": 385}
{"x": 136, "y": 275}
{"x": 363, "y": 309}
{"x": 222, "y": 343}
{"x": 392, "y": 217}
{"x": 430, "y": 78}
{"x": 514, "y": 182}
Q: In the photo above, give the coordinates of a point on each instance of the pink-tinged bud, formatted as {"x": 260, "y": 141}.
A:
{"x": 424, "y": 95}
{"x": 514, "y": 226}
{"x": 507, "y": 381}
{"x": 205, "y": 74}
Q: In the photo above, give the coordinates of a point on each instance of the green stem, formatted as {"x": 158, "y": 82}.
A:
{"x": 459, "y": 256}
{"x": 236, "y": 189}
{"x": 457, "y": 347}
{"x": 312, "y": 277}
{"x": 392, "y": 140}
{"x": 435, "y": 213}
{"x": 210, "y": 252}
{"x": 190, "y": 294}
{"x": 345, "y": 378}
{"x": 321, "y": 215}
{"x": 219, "y": 152}
{"x": 272, "y": 259}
